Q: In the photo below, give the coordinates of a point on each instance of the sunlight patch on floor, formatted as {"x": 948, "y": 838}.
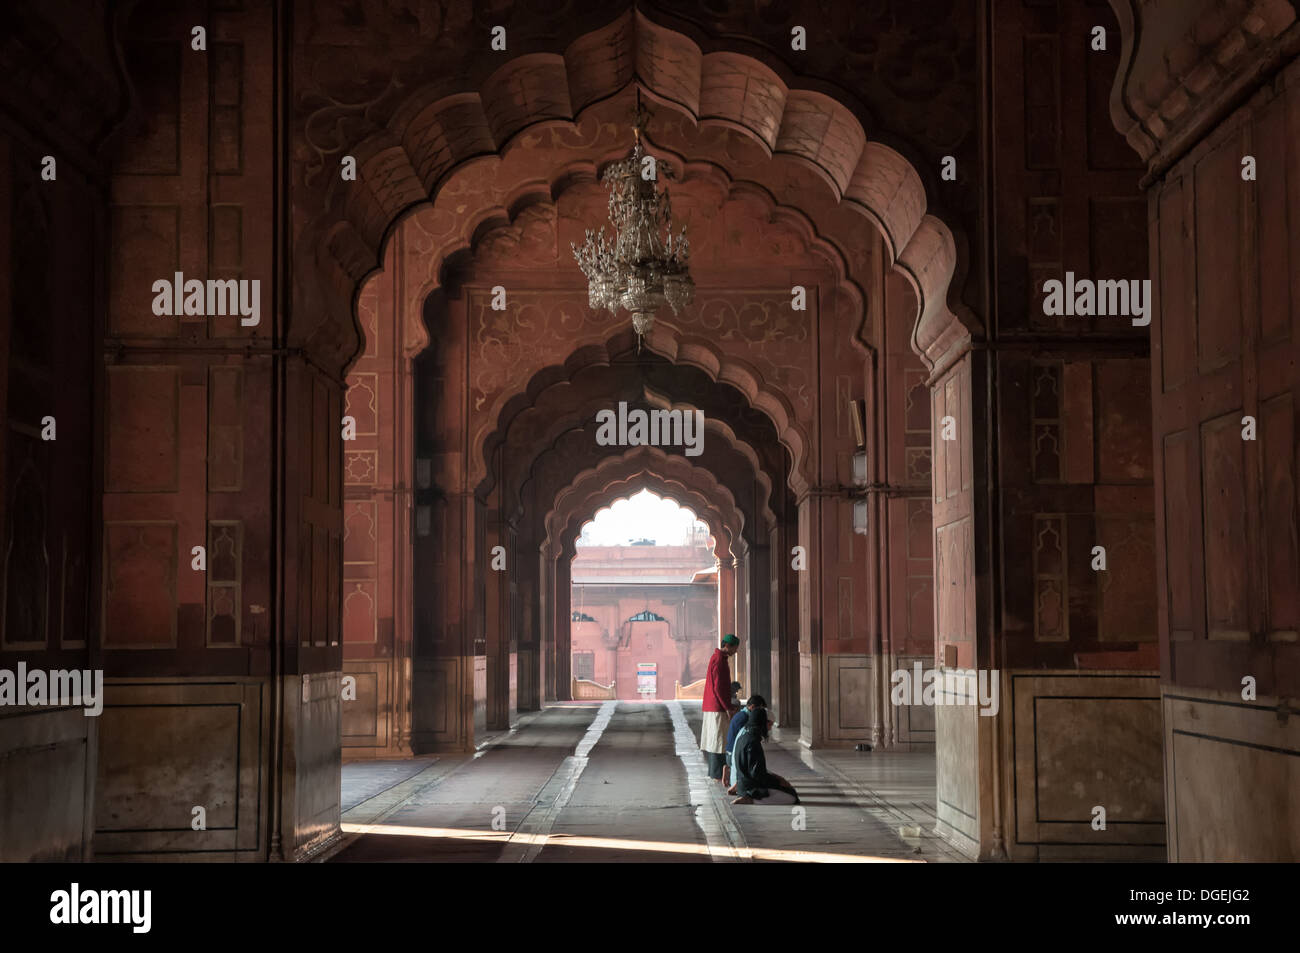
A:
{"x": 610, "y": 843}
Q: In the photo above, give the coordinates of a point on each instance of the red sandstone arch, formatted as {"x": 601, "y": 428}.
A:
{"x": 547, "y": 487}
{"x": 580, "y": 521}
{"x": 589, "y": 505}
{"x": 483, "y": 229}
{"x": 615, "y": 479}
{"x": 564, "y": 407}
{"x": 556, "y": 468}
{"x": 649, "y": 468}
{"x": 428, "y": 139}
{"x": 486, "y": 200}
{"x": 667, "y": 340}
{"x": 491, "y": 207}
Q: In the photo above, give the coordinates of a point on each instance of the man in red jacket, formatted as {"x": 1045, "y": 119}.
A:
{"x": 718, "y": 707}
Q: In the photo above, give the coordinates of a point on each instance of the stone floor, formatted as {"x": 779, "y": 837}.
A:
{"x": 625, "y": 781}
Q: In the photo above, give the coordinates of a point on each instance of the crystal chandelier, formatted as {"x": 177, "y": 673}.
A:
{"x": 644, "y": 266}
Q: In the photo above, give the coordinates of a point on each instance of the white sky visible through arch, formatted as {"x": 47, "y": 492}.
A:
{"x": 641, "y": 516}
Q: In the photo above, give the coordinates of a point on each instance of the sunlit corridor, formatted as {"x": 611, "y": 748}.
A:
{"x": 429, "y": 423}
{"x": 624, "y": 781}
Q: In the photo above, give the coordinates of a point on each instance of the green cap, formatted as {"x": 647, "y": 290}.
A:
{"x": 730, "y": 639}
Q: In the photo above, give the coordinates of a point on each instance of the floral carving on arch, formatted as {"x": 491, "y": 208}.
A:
{"x": 724, "y": 95}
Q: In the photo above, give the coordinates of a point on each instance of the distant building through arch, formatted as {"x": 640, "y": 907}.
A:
{"x": 645, "y": 610}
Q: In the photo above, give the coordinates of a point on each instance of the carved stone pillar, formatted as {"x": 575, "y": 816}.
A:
{"x": 742, "y": 669}
{"x": 496, "y": 572}
{"x": 546, "y": 624}
{"x": 446, "y": 555}
{"x": 726, "y": 595}
{"x": 784, "y": 590}
{"x": 764, "y": 646}
{"x": 836, "y": 686}
{"x": 563, "y": 588}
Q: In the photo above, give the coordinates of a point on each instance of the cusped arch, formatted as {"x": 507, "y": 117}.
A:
{"x": 587, "y": 507}
{"x": 646, "y": 462}
{"x": 429, "y": 137}
{"x": 544, "y": 480}
{"x": 724, "y": 536}
{"x": 648, "y": 468}
{"x": 572, "y": 405}
{"x": 533, "y": 210}
{"x": 668, "y": 342}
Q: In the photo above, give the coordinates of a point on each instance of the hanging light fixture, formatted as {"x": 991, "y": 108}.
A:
{"x": 644, "y": 266}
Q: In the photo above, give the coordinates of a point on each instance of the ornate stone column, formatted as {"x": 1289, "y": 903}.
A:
{"x": 726, "y": 592}
{"x": 761, "y": 636}
{"x": 563, "y": 622}
{"x": 496, "y": 567}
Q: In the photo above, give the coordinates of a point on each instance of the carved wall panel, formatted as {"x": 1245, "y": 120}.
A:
{"x": 154, "y": 148}
{"x": 143, "y": 423}
{"x": 172, "y": 745}
{"x": 360, "y": 622}
{"x": 1126, "y": 603}
{"x": 1277, "y": 426}
{"x": 1223, "y": 481}
{"x": 28, "y": 572}
{"x": 224, "y": 576}
{"x": 1079, "y": 740}
{"x": 147, "y": 239}
{"x": 140, "y": 567}
{"x": 1051, "y": 579}
{"x": 365, "y": 719}
{"x": 225, "y": 428}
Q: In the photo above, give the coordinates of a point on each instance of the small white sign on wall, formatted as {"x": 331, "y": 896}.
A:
{"x": 647, "y": 675}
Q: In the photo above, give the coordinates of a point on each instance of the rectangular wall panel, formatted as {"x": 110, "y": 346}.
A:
{"x": 147, "y": 247}
{"x": 169, "y": 746}
{"x": 1176, "y": 349}
{"x": 1277, "y": 428}
{"x": 225, "y": 429}
{"x": 1218, "y": 261}
{"x": 1223, "y": 474}
{"x": 140, "y": 598}
{"x": 1179, "y": 472}
{"x": 1082, "y": 741}
{"x": 849, "y": 679}
{"x": 142, "y": 421}
{"x": 1232, "y": 770}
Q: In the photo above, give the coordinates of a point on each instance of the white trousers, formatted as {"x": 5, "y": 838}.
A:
{"x": 713, "y": 732}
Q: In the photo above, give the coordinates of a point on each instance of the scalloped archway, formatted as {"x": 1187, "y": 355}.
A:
{"x": 464, "y": 194}
{"x": 616, "y": 477}
{"x": 430, "y": 137}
